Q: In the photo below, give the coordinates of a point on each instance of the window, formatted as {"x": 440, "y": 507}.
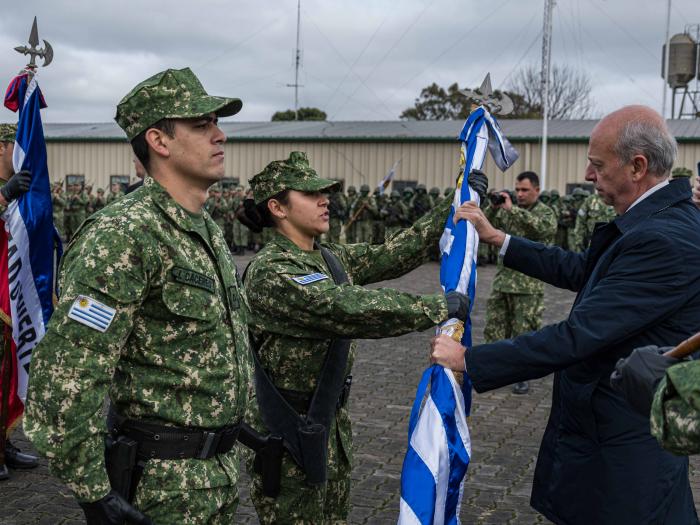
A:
{"x": 75, "y": 179}
{"x": 571, "y": 186}
{"x": 400, "y": 185}
{"x": 122, "y": 180}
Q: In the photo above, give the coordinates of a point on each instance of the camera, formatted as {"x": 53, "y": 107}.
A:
{"x": 497, "y": 199}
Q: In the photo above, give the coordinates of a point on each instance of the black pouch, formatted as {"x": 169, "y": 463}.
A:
{"x": 120, "y": 461}
{"x": 268, "y": 463}
{"x": 313, "y": 443}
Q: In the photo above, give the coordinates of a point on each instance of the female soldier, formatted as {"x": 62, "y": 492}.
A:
{"x": 306, "y": 302}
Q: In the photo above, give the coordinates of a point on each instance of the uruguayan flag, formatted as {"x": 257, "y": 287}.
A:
{"x": 91, "y": 313}
{"x": 439, "y": 447}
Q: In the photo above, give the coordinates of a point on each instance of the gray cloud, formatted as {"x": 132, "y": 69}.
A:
{"x": 361, "y": 60}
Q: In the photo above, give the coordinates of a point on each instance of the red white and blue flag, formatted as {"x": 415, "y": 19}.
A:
{"x": 29, "y": 244}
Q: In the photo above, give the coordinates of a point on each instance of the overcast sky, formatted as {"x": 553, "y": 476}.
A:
{"x": 361, "y": 60}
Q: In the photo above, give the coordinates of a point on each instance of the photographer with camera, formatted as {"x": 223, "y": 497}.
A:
{"x": 517, "y": 301}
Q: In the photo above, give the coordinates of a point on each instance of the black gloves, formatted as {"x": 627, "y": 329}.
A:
{"x": 113, "y": 510}
{"x": 457, "y": 305}
{"x": 479, "y": 183}
{"x": 637, "y": 376}
{"x": 17, "y": 186}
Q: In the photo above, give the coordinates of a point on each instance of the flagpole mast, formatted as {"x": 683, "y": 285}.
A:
{"x": 545, "y": 76}
{"x": 667, "y": 49}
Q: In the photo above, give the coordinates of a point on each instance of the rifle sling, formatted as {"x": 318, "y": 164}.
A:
{"x": 278, "y": 415}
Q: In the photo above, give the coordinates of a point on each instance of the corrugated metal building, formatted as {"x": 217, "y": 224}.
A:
{"x": 356, "y": 152}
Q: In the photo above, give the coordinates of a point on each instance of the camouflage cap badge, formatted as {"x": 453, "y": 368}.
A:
{"x": 173, "y": 93}
{"x": 8, "y": 132}
{"x": 295, "y": 173}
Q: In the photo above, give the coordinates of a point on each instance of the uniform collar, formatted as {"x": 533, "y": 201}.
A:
{"x": 285, "y": 243}
{"x": 167, "y": 204}
{"x": 674, "y": 192}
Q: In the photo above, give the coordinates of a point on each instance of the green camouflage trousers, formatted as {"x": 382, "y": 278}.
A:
{"x": 240, "y": 234}
{"x": 335, "y": 226}
{"x": 511, "y": 314}
{"x": 301, "y": 504}
{"x": 212, "y": 506}
{"x": 364, "y": 231}
{"x": 351, "y": 234}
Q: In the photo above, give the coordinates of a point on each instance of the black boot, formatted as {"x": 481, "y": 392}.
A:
{"x": 15, "y": 458}
{"x": 4, "y": 473}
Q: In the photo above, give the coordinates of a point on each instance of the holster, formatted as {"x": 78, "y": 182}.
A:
{"x": 121, "y": 462}
{"x": 268, "y": 457}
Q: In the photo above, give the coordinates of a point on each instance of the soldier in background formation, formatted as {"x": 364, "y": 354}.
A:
{"x": 58, "y": 204}
{"x": 241, "y": 234}
{"x": 362, "y": 214}
{"x": 378, "y": 225}
{"x": 337, "y": 214}
{"x": 351, "y": 227}
{"x": 395, "y": 214}
{"x": 115, "y": 192}
{"x": 592, "y": 211}
{"x": 75, "y": 210}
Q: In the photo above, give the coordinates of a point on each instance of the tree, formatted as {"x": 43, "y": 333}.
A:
{"x": 436, "y": 103}
{"x": 304, "y": 114}
{"x": 569, "y": 97}
{"x": 569, "y": 91}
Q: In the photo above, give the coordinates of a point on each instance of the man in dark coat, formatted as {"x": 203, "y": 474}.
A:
{"x": 637, "y": 285}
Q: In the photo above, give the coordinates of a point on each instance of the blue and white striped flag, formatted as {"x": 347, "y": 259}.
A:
{"x": 439, "y": 446}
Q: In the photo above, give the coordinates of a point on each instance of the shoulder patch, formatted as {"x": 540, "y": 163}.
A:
{"x": 196, "y": 279}
{"x": 311, "y": 278}
{"x": 92, "y": 313}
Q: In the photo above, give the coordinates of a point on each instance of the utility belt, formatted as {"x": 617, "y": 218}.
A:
{"x": 131, "y": 443}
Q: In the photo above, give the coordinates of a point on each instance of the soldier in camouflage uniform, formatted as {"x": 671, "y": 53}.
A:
{"x": 395, "y": 214}
{"x": 337, "y": 210}
{"x": 545, "y": 198}
{"x": 681, "y": 173}
{"x": 350, "y": 227}
{"x": 75, "y": 210}
{"x": 241, "y": 235}
{"x": 517, "y": 301}
{"x": 216, "y": 206}
{"x": 58, "y": 204}
{"x": 578, "y": 196}
{"x": 435, "y": 195}
{"x": 169, "y": 340}
{"x": 378, "y": 225}
{"x": 100, "y": 201}
{"x": 422, "y": 203}
{"x": 566, "y": 222}
{"x": 296, "y": 310}
{"x": 91, "y": 198}
{"x": 407, "y": 198}
{"x": 364, "y": 210}
{"x": 115, "y": 193}
{"x": 592, "y": 211}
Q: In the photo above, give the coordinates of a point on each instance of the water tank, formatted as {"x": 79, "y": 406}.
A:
{"x": 682, "y": 60}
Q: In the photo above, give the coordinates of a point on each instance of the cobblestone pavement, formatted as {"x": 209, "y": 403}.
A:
{"x": 506, "y": 431}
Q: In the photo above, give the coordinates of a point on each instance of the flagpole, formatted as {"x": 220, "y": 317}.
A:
{"x": 546, "y": 58}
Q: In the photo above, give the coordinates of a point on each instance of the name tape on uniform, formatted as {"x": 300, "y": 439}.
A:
{"x": 311, "y": 278}
{"x": 91, "y": 313}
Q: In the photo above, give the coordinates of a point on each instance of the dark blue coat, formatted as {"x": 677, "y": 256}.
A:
{"x": 638, "y": 284}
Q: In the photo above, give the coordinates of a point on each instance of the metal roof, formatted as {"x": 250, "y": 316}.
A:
{"x": 360, "y": 131}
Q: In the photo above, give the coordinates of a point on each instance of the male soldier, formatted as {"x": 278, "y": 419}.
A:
{"x": 435, "y": 195}
{"x": 337, "y": 210}
{"x": 90, "y": 205}
{"x": 378, "y": 226}
{"x": 350, "y": 228}
{"x": 216, "y": 206}
{"x": 115, "y": 193}
{"x": 566, "y": 222}
{"x": 58, "y": 204}
{"x": 363, "y": 212}
{"x": 241, "y": 234}
{"x": 421, "y": 202}
{"x": 12, "y": 185}
{"x": 592, "y": 211}
{"x": 517, "y": 301}
{"x": 407, "y": 198}
{"x": 99, "y": 200}
{"x": 545, "y": 198}
{"x": 75, "y": 211}
{"x": 556, "y": 205}
{"x": 578, "y": 196}
{"x": 395, "y": 214}
{"x": 151, "y": 311}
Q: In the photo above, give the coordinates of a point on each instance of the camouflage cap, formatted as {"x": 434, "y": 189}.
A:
{"x": 295, "y": 173}
{"x": 173, "y": 93}
{"x": 434, "y": 191}
{"x": 8, "y": 132}
{"x": 681, "y": 172}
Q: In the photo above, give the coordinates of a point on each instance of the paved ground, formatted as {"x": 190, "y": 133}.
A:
{"x": 506, "y": 431}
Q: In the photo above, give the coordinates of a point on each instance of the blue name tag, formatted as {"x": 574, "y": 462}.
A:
{"x": 308, "y": 279}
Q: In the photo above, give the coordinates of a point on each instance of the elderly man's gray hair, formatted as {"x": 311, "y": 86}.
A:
{"x": 650, "y": 139}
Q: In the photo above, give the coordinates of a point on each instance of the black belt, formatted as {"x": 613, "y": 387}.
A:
{"x": 165, "y": 442}
{"x": 300, "y": 400}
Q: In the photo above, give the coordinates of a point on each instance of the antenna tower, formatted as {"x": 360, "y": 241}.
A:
{"x": 297, "y": 64}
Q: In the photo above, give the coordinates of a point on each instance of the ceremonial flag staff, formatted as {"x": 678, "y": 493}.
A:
{"x": 29, "y": 244}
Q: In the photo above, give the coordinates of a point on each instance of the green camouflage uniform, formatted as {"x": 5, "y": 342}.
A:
{"x": 566, "y": 222}
{"x": 395, "y": 214}
{"x": 578, "y": 196}
{"x": 364, "y": 209}
{"x": 350, "y": 229}
{"x": 99, "y": 202}
{"x": 592, "y": 210}
{"x": 675, "y": 412}
{"x": 176, "y": 350}
{"x": 74, "y": 212}
{"x": 337, "y": 210}
{"x": 113, "y": 196}
{"x": 516, "y": 302}
{"x": 378, "y": 224}
{"x": 58, "y": 204}
{"x": 294, "y": 323}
